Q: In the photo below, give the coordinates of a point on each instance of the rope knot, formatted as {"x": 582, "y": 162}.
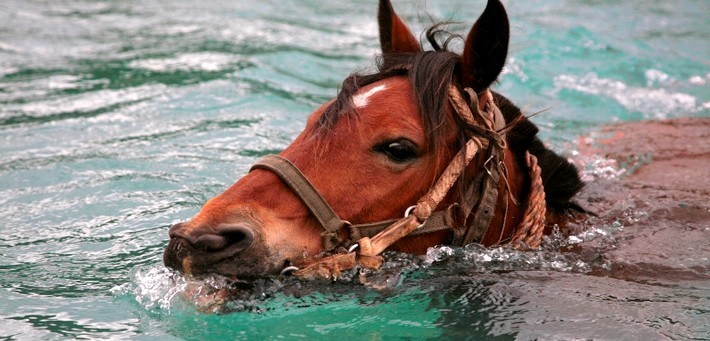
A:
{"x": 423, "y": 211}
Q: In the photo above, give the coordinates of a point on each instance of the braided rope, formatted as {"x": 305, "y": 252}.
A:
{"x": 529, "y": 231}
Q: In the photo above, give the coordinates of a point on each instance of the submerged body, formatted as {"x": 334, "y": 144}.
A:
{"x": 377, "y": 149}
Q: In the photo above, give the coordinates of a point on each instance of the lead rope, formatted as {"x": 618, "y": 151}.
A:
{"x": 530, "y": 229}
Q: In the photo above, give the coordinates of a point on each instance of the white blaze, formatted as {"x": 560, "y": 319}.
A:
{"x": 360, "y": 100}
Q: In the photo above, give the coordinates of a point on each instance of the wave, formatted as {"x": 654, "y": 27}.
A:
{"x": 651, "y": 102}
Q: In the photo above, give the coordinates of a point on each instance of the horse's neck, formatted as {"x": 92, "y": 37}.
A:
{"x": 504, "y": 220}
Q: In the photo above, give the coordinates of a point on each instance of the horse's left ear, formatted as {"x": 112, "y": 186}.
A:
{"x": 394, "y": 34}
{"x": 486, "y": 48}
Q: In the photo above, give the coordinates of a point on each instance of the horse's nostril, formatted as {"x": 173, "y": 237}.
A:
{"x": 235, "y": 237}
{"x": 176, "y": 229}
{"x": 210, "y": 242}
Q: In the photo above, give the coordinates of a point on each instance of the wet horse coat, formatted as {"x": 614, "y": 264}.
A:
{"x": 375, "y": 150}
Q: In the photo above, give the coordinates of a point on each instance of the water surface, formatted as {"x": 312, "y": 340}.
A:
{"x": 119, "y": 118}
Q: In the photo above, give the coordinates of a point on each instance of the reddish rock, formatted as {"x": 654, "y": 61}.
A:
{"x": 661, "y": 203}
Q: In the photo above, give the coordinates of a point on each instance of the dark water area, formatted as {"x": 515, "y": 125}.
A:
{"x": 120, "y": 118}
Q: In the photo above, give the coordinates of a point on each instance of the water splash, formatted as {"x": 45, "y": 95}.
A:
{"x": 154, "y": 288}
{"x": 557, "y": 253}
{"x": 162, "y": 291}
{"x": 596, "y": 167}
{"x": 158, "y": 289}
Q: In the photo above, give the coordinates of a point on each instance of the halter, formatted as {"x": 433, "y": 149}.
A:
{"x": 371, "y": 239}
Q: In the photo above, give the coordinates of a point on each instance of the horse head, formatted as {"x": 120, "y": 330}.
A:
{"x": 372, "y": 152}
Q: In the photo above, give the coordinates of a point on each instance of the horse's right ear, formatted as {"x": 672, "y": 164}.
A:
{"x": 486, "y": 47}
{"x": 394, "y": 35}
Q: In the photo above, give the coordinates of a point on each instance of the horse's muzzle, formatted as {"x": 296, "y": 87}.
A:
{"x": 228, "y": 249}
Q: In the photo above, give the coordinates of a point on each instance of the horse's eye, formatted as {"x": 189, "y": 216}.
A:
{"x": 399, "y": 151}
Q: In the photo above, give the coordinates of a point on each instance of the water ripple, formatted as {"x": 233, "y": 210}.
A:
{"x": 118, "y": 119}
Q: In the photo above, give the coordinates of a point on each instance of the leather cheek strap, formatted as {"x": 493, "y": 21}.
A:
{"x": 305, "y": 191}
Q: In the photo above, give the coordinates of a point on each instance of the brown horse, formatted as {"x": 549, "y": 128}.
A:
{"x": 380, "y": 147}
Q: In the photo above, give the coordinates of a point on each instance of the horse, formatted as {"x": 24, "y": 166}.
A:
{"x": 422, "y": 137}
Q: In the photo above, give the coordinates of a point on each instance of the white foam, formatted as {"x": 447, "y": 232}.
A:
{"x": 158, "y": 288}
{"x": 654, "y": 77}
{"x": 204, "y": 61}
{"x": 699, "y": 80}
{"x": 595, "y": 167}
{"x": 515, "y": 67}
{"x": 652, "y": 102}
{"x": 89, "y": 101}
{"x": 153, "y": 288}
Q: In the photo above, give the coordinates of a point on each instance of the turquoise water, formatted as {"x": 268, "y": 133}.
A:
{"x": 119, "y": 118}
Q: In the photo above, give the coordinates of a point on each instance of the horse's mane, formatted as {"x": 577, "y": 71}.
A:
{"x": 431, "y": 73}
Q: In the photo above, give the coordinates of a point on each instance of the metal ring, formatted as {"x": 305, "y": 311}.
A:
{"x": 409, "y": 210}
{"x": 353, "y": 247}
{"x": 288, "y": 269}
{"x": 485, "y": 165}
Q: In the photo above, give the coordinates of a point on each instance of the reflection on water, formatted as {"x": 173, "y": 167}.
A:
{"x": 118, "y": 119}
